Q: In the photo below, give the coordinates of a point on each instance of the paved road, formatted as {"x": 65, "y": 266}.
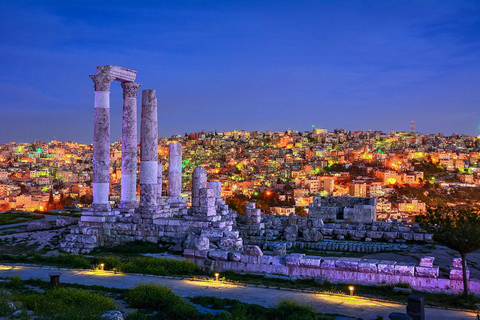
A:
{"x": 332, "y": 304}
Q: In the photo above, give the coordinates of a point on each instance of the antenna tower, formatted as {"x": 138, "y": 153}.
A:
{"x": 412, "y": 126}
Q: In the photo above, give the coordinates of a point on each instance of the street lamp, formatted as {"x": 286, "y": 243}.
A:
{"x": 101, "y": 266}
{"x": 351, "y": 288}
{"x": 217, "y": 275}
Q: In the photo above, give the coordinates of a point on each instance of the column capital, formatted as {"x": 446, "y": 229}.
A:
{"x": 102, "y": 82}
{"x": 130, "y": 89}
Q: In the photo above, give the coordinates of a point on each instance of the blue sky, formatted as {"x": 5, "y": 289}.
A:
{"x": 253, "y": 65}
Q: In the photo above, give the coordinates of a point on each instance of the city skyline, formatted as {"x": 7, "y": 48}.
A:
{"x": 243, "y": 66}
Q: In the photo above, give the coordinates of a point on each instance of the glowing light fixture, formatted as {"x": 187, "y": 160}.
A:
{"x": 217, "y": 275}
{"x": 351, "y": 288}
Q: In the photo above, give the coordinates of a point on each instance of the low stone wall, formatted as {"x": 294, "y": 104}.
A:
{"x": 423, "y": 276}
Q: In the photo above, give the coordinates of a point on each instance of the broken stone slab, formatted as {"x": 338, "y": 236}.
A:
{"x": 252, "y": 250}
{"x": 291, "y": 232}
{"x": 312, "y": 235}
{"x": 279, "y": 249}
{"x": 234, "y": 256}
{"x": 457, "y": 263}
{"x": 201, "y": 243}
{"x": 368, "y": 265}
{"x": 386, "y": 267}
{"x": 426, "y": 261}
{"x": 405, "y": 269}
{"x": 427, "y": 272}
{"x": 218, "y": 255}
{"x": 63, "y": 221}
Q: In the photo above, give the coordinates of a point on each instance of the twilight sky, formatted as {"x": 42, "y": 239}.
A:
{"x": 253, "y": 65}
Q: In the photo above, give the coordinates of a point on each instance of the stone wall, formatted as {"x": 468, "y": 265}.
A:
{"x": 423, "y": 276}
{"x": 351, "y": 209}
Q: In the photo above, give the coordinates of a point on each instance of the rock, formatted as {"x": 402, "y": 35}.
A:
{"x": 293, "y": 259}
{"x": 457, "y": 274}
{"x": 252, "y": 250}
{"x": 218, "y": 255}
{"x": 368, "y": 265}
{"x": 63, "y": 221}
{"x": 279, "y": 250}
{"x": 291, "y": 232}
{"x": 427, "y": 272}
{"x": 234, "y": 255}
{"x": 399, "y": 316}
{"x": 312, "y": 235}
{"x": 457, "y": 263}
{"x": 386, "y": 267}
{"x": 426, "y": 261}
{"x": 405, "y": 269}
{"x": 36, "y": 225}
{"x": 201, "y": 243}
{"x": 112, "y": 315}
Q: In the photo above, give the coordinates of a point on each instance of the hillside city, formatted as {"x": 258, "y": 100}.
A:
{"x": 408, "y": 172}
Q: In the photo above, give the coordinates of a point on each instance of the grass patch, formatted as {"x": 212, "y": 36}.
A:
{"x": 163, "y": 267}
{"x": 67, "y": 304}
{"x": 11, "y": 217}
{"x": 131, "y": 248}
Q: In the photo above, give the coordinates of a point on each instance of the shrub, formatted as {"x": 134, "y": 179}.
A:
{"x": 112, "y": 262}
{"x": 15, "y": 283}
{"x": 155, "y": 297}
{"x": 160, "y": 267}
{"x": 67, "y": 304}
{"x": 6, "y": 306}
{"x": 293, "y": 310}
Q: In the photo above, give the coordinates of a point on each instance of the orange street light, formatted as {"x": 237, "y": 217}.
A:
{"x": 101, "y": 266}
{"x": 217, "y": 275}
{"x": 351, "y": 288}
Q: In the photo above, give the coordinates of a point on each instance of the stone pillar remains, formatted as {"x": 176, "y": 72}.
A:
{"x": 175, "y": 175}
{"x": 129, "y": 146}
{"x": 101, "y": 142}
{"x": 148, "y": 153}
{"x": 159, "y": 182}
{"x": 199, "y": 181}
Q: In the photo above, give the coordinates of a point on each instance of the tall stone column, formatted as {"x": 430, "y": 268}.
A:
{"x": 148, "y": 152}
{"x": 101, "y": 143}
{"x": 159, "y": 182}
{"x": 175, "y": 174}
{"x": 129, "y": 145}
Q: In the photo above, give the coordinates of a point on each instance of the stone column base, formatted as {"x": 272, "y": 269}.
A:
{"x": 127, "y": 206}
{"x": 100, "y": 207}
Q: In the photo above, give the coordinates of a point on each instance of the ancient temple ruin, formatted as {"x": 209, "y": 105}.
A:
{"x": 207, "y": 223}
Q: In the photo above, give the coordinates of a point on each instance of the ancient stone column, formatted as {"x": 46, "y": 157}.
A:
{"x": 101, "y": 143}
{"x": 159, "y": 182}
{"x": 129, "y": 145}
{"x": 148, "y": 152}
{"x": 175, "y": 174}
{"x": 199, "y": 181}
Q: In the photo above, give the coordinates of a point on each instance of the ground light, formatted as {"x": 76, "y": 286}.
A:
{"x": 101, "y": 266}
{"x": 217, "y": 275}
{"x": 351, "y": 288}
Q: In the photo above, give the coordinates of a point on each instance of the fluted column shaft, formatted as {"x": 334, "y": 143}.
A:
{"x": 129, "y": 145}
{"x": 101, "y": 143}
{"x": 159, "y": 182}
{"x": 148, "y": 150}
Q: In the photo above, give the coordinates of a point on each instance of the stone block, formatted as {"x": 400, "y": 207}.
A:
{"x": 312, "y": 235}
{"x": 293, "y": 259}
{"x": 386, "y": 267}
{"x": 328, "y": 263}
{"x": 279, "y": 249}
{"x": 218, "y": 255}
{"x": 457, "y": 263}
{"x": 375, "y": 234}
{"x": 327, "y": 231}
{"x": 201, "y": 243}
{"x": 206, "y": 193}
{"x": 201, "y": 254}
{"x": 360, "y": 234}
{"x": 311, "y": 262}
{"x": 390, "y": 235}
{"x": 349, "y": 264}
{"x": 426, "y": 261}
{"x": 418, "y": 237}
{"x": 291, "y": 233}
{"x": 427, "y": 272}
{"x": 368, "y": 265}
{"x": 265, "y": 259}
{"x": 189, "y": 252}
{"x": 457, "y": 274}
{"x": 252, "y": 250}
{"x": 234, "y": 256}
{"x": 405, "y": 269}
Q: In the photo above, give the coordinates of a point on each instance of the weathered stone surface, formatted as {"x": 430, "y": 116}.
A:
{"x": 457, "y": 274}
{"x": 201, "y": 243}
{"x": 293, "y": 259}
{"x": 36, "y": 225}
{"x": 112, "y": 315}
{"x": 427, "y": 272}
{"x": 63, "y": 221}
{"x": 405, "y": 269}
{"x": 218, "y": 255}
{"x": 457, "y": 263}
{"x": 311, "y": 261}
{"x": 279, "y": 249}
{"x": 252, "y": 250}
{"x": 368, "y": 265}
{"x": 291, "y": 233}
{"x": 350, "y": 264}
{"x": 386, "y": 267}
{"x": 234, "y": 255}
{"x": 312, "y": 235}
{"x": 426, "y": 261}
{"x": 328, "y": 263}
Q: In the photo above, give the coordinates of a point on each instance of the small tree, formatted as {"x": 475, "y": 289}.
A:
{"x": 457, "y": 229}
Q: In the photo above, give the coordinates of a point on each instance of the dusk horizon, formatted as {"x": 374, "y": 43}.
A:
{"x": 244, "y": 66}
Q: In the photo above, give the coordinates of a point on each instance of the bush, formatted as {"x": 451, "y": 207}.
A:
{"x": 6, "y": 306}
{"x": 162, "y": 267}
{"x": 292, "y": 310}
{"x": 162, "y": 299}
{"x": 15, "y": 283}
{"x": 67, "y": 304}
{"x": 112, "y": 263}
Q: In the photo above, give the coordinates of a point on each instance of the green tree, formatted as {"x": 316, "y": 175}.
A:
{"x": 457, "y": 229}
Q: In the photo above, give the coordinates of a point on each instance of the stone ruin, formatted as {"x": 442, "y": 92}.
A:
{"x": 340, "y": 209}
{"x": 207, "y": 224}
